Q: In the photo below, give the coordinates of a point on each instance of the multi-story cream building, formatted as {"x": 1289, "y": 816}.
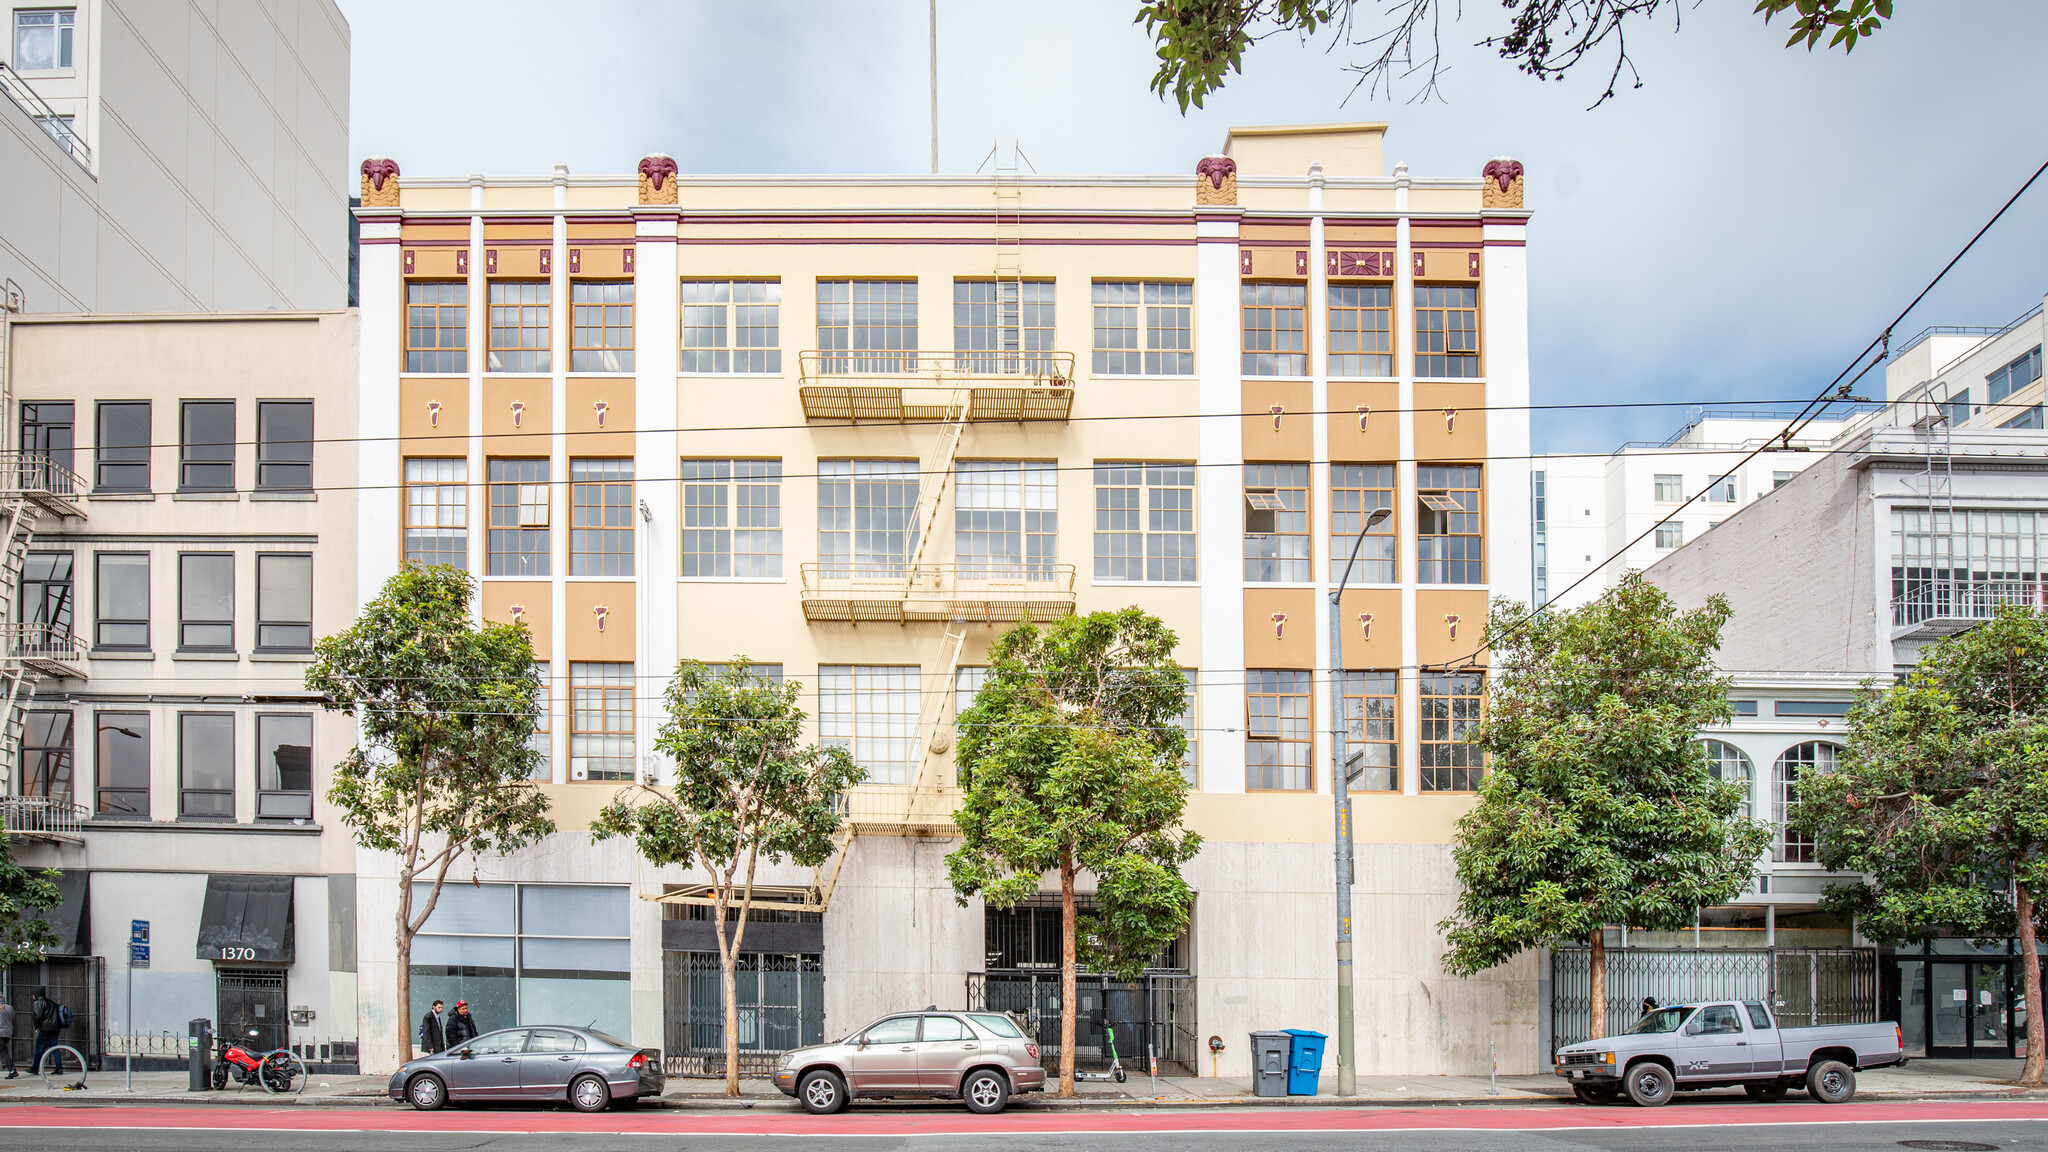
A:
{"x": 179, "y": 496}
{"x": 853, "y": 428}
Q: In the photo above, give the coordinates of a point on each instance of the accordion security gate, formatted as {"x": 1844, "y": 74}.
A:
{"x": 1804, "y": 985}
{"x": 1154, "y": 1013}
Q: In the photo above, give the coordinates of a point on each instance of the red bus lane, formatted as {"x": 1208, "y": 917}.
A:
{"x": 890, "y": 1122}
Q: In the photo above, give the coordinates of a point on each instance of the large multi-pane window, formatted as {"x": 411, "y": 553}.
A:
{"x": 600, "y": 721}
{"x": 47, "y": 591}
{"x": 867, "y": 325}
{"x": 1670, "y": 488}
{"x": 1371, "y": 706}
{"x": 1278, "y": 738}
{"x": 2013, "y": 377}
{"x": 284, "y": 765}
{"x": 542, "y": 742}
{"x": 1540, "y": 537}
{"x": 522, "y": 326}
{"x": 1448, "y": 761}
{"x": 528, "y": 952}
{"x": 437, "y": 511}
{"x": 1449, "y": 545}
{"x": 872, "y": 710}
{"x": 864, "y": 516}
{"x": 732, "y": 326}
{"x": 601, "y": 326}
{"x": 206, "y": 446}
{"x": 1275, "y": 329}
{"x": 1964, "y": 563}
{"x": 44, "y": 39}
{"x": 1145, "y": 522}
{"x": 47, "y": 755}
{"x": 206, "y": 601}
{"x": 519, "y": 498}
{"x": 1276, "y": 534}
{"x": 121, "y": 594}
{"x": 1144, "y": 328}
{"x": 1006, "y": 519}
{"x": 121, "y": 765}
{"x": 600, "y": 517}
{"x": 732, "y": 518}
{"x": 284, "y": 601}
{"x": 1795, "y": 847}
{"x": 1730, "y": 766}
{"x": 437, "y": 326}
{"x": 121, "y": 449}
{"x": 1361, "y": 329}
{"x": 1446, "y": 330}
{"x": 49, "y": 431}
{"x": 284, "y": 445}
{"x": 206, "y": 765}
{"x": 1356, "y": 492}
{"x": 1003, "y": 326}
{"x": 1190, "y": 726}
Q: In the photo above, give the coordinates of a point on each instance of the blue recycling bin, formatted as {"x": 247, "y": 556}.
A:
{"x": 1304, "y": 1061}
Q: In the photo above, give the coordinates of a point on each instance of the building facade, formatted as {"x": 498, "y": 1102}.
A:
{"x": 171, "y": 155}
{"x": 853, "y": 428}
{"x": 181, "y": 501}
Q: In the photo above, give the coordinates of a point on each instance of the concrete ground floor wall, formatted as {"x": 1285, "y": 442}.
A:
{"x": 1261, "y": 949}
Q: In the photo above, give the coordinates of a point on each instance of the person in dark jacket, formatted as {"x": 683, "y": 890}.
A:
{"x": 48, "y": 1017}
{"x": 461, "y": 1026}
{"x": 7, "y": 1039}
{"x": 431, "y": 1038}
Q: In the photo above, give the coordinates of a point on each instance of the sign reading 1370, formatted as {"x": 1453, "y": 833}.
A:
{"x": 237, "y": 953}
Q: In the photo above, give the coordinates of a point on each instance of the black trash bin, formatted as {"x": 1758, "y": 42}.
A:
{"x": 199, "y": 1056}
{"x": 1270, "y": 1051}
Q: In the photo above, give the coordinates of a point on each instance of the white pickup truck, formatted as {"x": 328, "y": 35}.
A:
{"x": 1719, "y": 1045}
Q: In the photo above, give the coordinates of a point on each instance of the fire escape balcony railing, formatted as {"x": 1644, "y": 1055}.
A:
{"x": 47, "y": 649}
{"x": 35, "y": 477}
{"x": 42, "y": 818}
{"x": 1929, "y": 608}
{"x": 919, "y": 387}
{"x": 994, "y": 592}
{"x": 900, "y": 809}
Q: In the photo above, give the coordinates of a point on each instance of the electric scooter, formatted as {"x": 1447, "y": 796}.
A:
{"x": 1115, "y": 1071}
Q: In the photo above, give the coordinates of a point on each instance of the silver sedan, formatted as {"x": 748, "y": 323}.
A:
{"x": 585, "y": 1067}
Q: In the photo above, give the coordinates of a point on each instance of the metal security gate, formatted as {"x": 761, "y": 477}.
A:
{"x": 1805, "y": 986}
{"x": 1154, "y": 1014}
{"x": 78, "y": 982}
{"x": 780, "y": 1001}
{"x": 252, "y": 1000}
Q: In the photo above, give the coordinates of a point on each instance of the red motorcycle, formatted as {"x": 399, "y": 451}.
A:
{"x": 276, "y": 1071}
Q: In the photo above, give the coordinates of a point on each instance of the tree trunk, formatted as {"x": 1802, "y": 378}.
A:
{"x": 727, "y": 964}
{"x": 1596, "y": 970}
{"x": 2030, "y": 1075}
{"x": 1067, "y": 996}
{"x": 405, "y": 1021}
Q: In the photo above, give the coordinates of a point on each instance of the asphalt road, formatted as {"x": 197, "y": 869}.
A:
{"x": 1958, "y": 1127}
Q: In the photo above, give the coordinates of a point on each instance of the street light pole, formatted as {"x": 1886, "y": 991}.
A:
{"x": 1340, "y": 790}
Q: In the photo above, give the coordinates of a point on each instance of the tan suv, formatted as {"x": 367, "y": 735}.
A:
{"x": 980, "y": 1057}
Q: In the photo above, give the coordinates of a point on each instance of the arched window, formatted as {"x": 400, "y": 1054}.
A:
{"x": 1727, "y": 762}
{"x": 1797, "y": 847}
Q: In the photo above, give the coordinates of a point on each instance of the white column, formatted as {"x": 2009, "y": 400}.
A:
{"x": 380, "y": 354}
{"x": 1219, "y": 498}
{"x": 558, "y": 474}
{"x": 1504, "y": 333}
{"x": 656, "y": 470}
{"x": 1404, "y": 483}
{"x": 479, "y": 357}
{"x": 1320, "y": 507}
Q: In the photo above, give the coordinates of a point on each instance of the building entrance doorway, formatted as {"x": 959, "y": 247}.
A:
{"x": 252, "y": 1000}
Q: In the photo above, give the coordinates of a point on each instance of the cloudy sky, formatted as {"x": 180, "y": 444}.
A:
{"x": 1736, "y": 229}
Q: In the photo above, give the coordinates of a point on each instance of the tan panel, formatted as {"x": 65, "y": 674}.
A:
{"x": 1380, "y": 439}
{"x": 1296, "y": 436}
{"x": 1275, "y": 263}
{"x": 433, "y": 416}
{"x": 1295, "y": 234}
{"x": 522, "y": 432}
{"x": 587, "y": 437}
{"x": 607, "y": 262}
{"x": 1434, "y": 641}
{"x": 414, "y": 231}
{"x": 585, "y": 640}
{"x": 1283, "y": 644}
{"x": 436, "y": 263}
{"x": 1458, "y": 437}
{"x": 1448, "y": 265}
{"x": 535, "y": 601}
{"x": 526, "y": 232}
{"x": 601, "y": 231}
{"x": 514, "y": 262}
{"x": 1359, "y": 236}
{"x": 1302, "y": 817}
{"x": 1375, "y": 643}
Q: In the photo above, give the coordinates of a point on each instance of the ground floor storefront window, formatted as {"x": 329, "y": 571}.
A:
{"x": 526, "y": 954}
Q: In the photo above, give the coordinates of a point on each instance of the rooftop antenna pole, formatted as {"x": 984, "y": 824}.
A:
{"x": 933, "y": 11}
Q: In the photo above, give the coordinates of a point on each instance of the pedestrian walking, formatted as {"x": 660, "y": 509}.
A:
{"x": 50, "y": 1019}
{"x": 7, "y": 1039}
{"x": 1649, "y": 1005}
{"x": 461, "y": 1026}
{"x": 432, "y": 1038}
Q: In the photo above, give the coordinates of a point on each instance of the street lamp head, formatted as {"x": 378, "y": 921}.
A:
{"x": 1378, "y": 517}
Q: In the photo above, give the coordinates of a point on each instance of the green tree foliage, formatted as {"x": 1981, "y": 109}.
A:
{"x": 1070, "y": 759}
{"x": 443, "y": 770}
{"x": 24, "y": 896}
{"x": 1940, "y": 798}
{"x": 1599, "y": 806}
{"x": 1201, "y": 41}
{"x": 747, "y": 788}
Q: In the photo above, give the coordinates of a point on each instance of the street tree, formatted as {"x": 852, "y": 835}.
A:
{"x": 1070, "y": 761}
{"x": 1599, "y": 806}
{"x": 25, "y": 896}
{"x": 747, "y": 789}
{"x": 1202, "y": 41}
{"x": 442, "y": 770}
{"x": 1939, "y": 798}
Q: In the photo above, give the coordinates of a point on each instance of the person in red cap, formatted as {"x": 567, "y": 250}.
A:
{"x": 461, "y": 1026}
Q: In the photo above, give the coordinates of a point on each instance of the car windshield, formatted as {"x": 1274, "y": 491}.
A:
{"x": 1661, "y": 1020}
{"x": 996, "y": 1023}
{"x": 614, "y": 1041}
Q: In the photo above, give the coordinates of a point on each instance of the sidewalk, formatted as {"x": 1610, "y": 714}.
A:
{"x": 1922, "y": 1079}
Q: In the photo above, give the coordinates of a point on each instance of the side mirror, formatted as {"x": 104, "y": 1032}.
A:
{"x": 863, "y": 1044}
{"x": 1692, "y": 1029}
{"x": 465, "y": 1053}
{"x": 252, "y": 1033}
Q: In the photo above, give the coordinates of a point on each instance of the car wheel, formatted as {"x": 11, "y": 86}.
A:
{"x": 986, "y": 1091}
{"x": 1649, "y": 1084}
{"x": 1769, "y": 1093}
{"x": 1596, "y": 1094}
{"x": 1831, "y": 1082}
{"x": 589, "y": 1093}
{"x": 822, "y": 1093}
{"x": 426, "y": 1092}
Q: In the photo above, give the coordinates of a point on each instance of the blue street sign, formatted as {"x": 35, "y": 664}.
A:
{"x": 138, "y": 931}
{"x": 138, "y": 955}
